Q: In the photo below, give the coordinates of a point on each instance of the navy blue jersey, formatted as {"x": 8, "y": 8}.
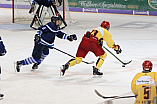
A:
{"x": 2, "y": 48}
{"x": 46, "y": 3}
{"x": 48, "y": 33}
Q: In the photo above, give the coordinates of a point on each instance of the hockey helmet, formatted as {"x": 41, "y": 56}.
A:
{"x": 105, "y": 24}
{"x": 147, "y": 65}
{"x": 54, "y": 19}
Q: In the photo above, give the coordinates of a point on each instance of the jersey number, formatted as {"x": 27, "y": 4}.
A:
{"x": 146, "y": 92}
{"x": 94, "y": 32}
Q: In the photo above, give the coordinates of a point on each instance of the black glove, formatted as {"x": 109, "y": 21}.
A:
{"x": 2, "y": 54}
{"x": 72, "y": 37}
{"x": 100, "y": 42}
{"x": 117, "y": 49}
{"x": 37, "y": 38}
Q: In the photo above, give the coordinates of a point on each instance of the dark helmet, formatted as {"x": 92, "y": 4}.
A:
{"x": 105, "y": 24}
{"x": 54, "y": 19}
{"x": 147, "y": 65}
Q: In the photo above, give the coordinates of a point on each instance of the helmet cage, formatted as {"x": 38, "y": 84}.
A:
{"x": 54, "y": 19}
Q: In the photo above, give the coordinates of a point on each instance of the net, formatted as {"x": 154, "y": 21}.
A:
{"x": 22, "y": 15}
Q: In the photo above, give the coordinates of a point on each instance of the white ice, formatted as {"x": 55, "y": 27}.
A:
{"x": 137, "y": 36}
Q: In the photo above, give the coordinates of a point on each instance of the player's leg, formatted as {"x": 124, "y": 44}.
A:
{"x": 81, "y": 53}
{"x": 70, "y": 63}
{"x": 43, "y": 56}
{"x": 26, "y": 61}
{"x": 100, "y": 60}
{"x": 36, "y": 55}
{"x": 34, "y": 2}
{"x": 98, "y": 51}
{"x": 99, "y": 63}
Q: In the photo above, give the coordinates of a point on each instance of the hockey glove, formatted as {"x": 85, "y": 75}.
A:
{"x": 72, "y": 37}
{"x": 100, "y": 42}
{"x": 2, "y": 54}
{"x": 117, "y": 49}
{"x": 37, "y": 38}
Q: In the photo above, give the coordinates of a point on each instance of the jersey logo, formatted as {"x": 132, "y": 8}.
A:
{"x": 145, "y": 80}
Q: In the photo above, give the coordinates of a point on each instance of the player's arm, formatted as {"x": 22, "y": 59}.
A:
{"x": 133, "y": 86}
{"x": 66, "y": 36}
{"x": 155, "y": 75}
{"x": 110, "y": 43}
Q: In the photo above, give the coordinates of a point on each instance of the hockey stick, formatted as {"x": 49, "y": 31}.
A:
{"x": 115, "y": 97}
{"x": 44, "y": 43}
{"x": 72, "y": 56}
{"x": 118, "y": 58}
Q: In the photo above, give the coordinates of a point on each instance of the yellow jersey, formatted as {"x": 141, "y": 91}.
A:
{"x": 144, "y": 86}
{"x": 103, "y": 34}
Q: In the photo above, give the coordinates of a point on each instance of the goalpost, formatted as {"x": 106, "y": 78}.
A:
{"x": 20, "y": 9}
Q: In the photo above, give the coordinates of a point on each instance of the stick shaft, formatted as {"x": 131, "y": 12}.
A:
{"x": 117, "y": 57}
{"x": 107, "y": 97}
{"x": 69, "y": 55}
{"x": 113, "y": 54}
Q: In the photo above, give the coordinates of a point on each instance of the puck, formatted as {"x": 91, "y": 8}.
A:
{"x": 123, "y": 65}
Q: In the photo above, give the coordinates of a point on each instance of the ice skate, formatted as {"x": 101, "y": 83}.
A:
{"x": 35, "y": 66}
{"x": 18, "y": 65}
{"x": 64, "y": 68}
{"x": 96, "y": 71}
{"x": 1, "y": 96}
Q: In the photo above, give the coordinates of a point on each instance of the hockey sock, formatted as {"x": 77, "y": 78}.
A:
{"x": 42, "y": 58}
{"x": 72, "y": 62}
{"x": 77, "y": 60}
{"x": 29, "y": 60}
{"x": 99, "y": 63}
{"x": 100, "y": 60}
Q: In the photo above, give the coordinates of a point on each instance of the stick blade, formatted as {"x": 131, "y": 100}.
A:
{"x": 98, "y": 93}
{"x": 127, "y": 62}
{"x": 91, "y": 62}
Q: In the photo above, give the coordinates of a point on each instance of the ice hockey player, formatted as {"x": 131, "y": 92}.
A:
{"x": 2, "y": 48}
{"x": 44, "y": 39}
{"x": 2, "y": 53}
{"x": 46, "y": 3}
{"x": 144, "y": 84}
{"x": 93, "y": 41}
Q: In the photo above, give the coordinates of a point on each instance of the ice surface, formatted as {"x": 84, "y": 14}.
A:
{"x": 135, "y": 34}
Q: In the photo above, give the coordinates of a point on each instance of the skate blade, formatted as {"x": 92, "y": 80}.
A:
{"x": 97, "y": 76}
{"x": 61, "y": 73}
{"x": 33, "y": 70}
{"x": 15, "y": 66}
